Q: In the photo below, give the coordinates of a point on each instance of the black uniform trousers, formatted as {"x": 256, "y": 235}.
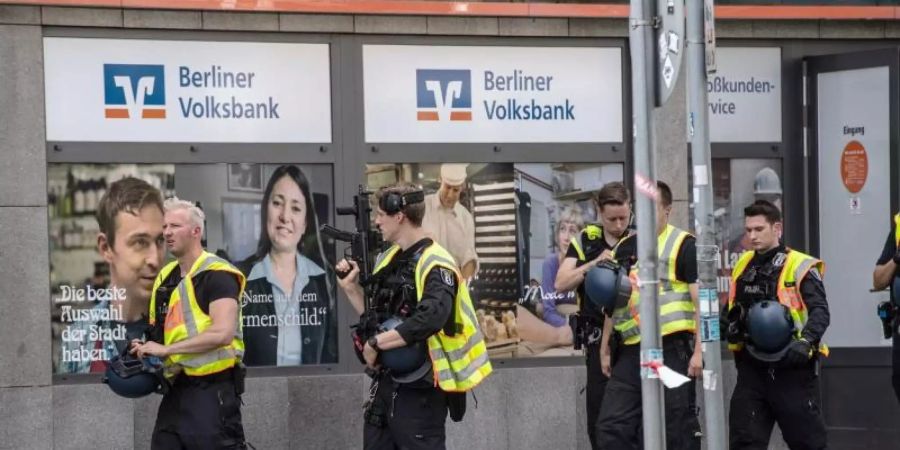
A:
{"x": 620, "y": 425}
{"x": 200, "y": 413}
{"x": 596, "y": 387}
{"x": 414, "y": 416}
{"x": 895, "y": 359}
{"x": 765, "y": 395}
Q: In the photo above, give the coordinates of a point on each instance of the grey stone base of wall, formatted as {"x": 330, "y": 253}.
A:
{"x": 535, "y": 408}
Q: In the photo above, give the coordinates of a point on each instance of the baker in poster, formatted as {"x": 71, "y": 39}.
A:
{"x": 449, "y": 223}
{"x": 130, "y": 241}
{"x": 286, "y": 312}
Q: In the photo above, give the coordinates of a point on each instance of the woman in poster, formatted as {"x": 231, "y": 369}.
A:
{"x": 568, "y": 226}
{"x": 287, "y": 309}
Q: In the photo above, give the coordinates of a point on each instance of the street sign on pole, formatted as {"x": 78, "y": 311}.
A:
{"x": 669, "y": 45}
{"x": 709, "y": 35}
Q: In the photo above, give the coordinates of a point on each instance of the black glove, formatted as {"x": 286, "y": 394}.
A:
{"x": 799, "y": 353}
{"x": 734, "y": 324}
{"x": 896, "y": 257}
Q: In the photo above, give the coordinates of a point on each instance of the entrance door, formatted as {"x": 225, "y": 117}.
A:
{"x": 853, "y": 103}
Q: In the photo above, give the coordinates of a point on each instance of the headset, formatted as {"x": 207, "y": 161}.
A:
{"x": 394, "y": 202}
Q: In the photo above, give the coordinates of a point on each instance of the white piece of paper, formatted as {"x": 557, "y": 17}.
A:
{"x": 701, "y": 175}
{"x": 709, "y": 380}
{"x": 670, "y": 378}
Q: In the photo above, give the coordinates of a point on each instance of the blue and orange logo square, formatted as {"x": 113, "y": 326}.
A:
{"x": 134, "y": 91}
{"x": 443, "y": 94}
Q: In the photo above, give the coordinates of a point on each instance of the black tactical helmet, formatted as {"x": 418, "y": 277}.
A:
{"x": 770, "y": 330}
{"x": 131, "y": 377}
{"x": 407, "y": 364}
{"x": 607, "y": 286}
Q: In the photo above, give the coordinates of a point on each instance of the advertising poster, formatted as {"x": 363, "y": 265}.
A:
{"x": 107, "y": 245}
{"x": 738, "y": 183}
{"x": 508, "y": 226}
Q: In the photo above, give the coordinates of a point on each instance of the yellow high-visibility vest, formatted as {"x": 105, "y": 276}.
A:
{"x": 185, "y": 319}
{"x": 795, "y": 268}
{"x": 676, "y": 309}
{"x": 459, "y": 362}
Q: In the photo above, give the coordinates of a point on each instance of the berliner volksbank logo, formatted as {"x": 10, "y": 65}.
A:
{"x": 134, "y": 91}
{"x": 444, "y": 95}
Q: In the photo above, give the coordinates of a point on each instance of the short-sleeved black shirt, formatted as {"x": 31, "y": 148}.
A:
{"x": 890, "y": 248}
{"x": 209, "y": 285}
{"x": 686, "y": 261}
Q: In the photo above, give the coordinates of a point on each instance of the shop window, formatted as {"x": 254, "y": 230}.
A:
{"x": 508, "y": 228}
{"x": 257, "y": 217}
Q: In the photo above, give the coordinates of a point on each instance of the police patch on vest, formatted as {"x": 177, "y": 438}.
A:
{"x": 447, "y": 276}
{"x": 779, "y": 259}
{"x": 754, "y": 289}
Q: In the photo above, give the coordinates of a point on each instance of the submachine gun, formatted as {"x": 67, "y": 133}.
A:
{"x": 365, "y": 243}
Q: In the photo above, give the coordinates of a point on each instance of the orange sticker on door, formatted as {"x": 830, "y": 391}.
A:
{"x": 854, "y": 166}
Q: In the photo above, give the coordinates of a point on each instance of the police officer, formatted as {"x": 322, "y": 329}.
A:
{"x": 194, "y": 304}
{"x": 418, "y": 281}
{"x": 884, "y": 275}
{"x": 776, "y": 297}
{"x": 619, "y": 425}
{"x": 611, "y": 239}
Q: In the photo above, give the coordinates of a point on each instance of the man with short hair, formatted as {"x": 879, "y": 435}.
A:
{"x": 776, "y": 296}
{"x": 448, "y": 222}
{"x": 619, "y": 425}
{"x": 130, "y": 241}
{"x": 416, "y": 281}
{"x": 195, "y": 305}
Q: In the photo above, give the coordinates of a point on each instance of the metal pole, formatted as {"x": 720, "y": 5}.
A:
{"x": 707, "y": 254}
{"x": 642, "y": 97}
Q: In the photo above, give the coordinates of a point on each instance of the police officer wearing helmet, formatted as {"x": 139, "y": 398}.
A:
{"x": 885, "y": 275}
{"x": 196, "y": 317}
{"x": 425, "y": 303}
{"x": 619, "y": 425}
{"x": 776, "y": 316}
{"x": 609, "y": 241}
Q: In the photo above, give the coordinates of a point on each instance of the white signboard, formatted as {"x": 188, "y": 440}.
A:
{"x": 745, "y": 95}
{"x": 492, "y": 94}
{"x": 128, "y": 90}
{"x": 854, "y": 134}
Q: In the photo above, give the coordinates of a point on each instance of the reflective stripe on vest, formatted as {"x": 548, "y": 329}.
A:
{"x": 459, "y": 362}
{"x": 676, "y": 309}
{"x": 796, "y": 266}
{"x": 185, "y": 319}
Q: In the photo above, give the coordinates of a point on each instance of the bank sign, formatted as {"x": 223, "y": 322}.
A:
{"x": 492, "y": 94}
{"x": 113, "y": 90}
